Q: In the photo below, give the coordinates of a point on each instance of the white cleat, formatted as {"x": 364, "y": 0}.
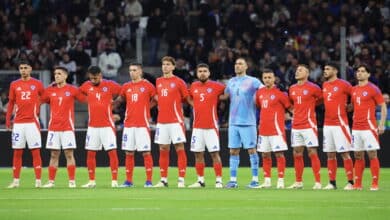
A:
{"x": 280, "y": 184}
{"x": 50, "y": 184}
{"x": 265, "y": 186}
{"x": 90, "y": 184}
{"x": 161, "y": 184}
{"x": 296, "y": 185}
{"x": 14, "y": 184}
{"x": 198, "y": 184}
{"x": 114, "y": 184}
{"x": 348, "y": 187}
{"x": 329, "y": 187}
{"x": 72, "y": 184}
{"x": 38, "y": 183}
{"x": 218, "y": 185}
{"x": 317, "y": 185}
{"x": 180, "y": 184}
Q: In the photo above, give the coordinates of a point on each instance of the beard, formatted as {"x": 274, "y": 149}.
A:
{"x": 203, "y": 80}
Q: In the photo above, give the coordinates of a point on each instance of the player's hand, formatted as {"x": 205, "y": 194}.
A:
{"x": 349, "y": 108}
{"x": 381, "y": 129}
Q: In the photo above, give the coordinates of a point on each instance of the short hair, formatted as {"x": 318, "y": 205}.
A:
{"x": 24, "y": 62}
{"x": 242, "y": 58}
{"x": 365, "y": 66}
{"x": 304, "y": 65}
{"x": 202, "y": 65}
{"x": 61, "y": 68}
{"x": 267, "y": 70}
{"x": 94, "y": 70}
{"x": 136, "y": 64}
{"x": 332, "y": 64}
{"x": 169, "y": 59}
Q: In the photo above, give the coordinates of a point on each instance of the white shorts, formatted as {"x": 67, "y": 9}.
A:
{"x": 136, "y": 138}
{"x": 23, "y": 133}
{"x": 169, "y": 133}
{"x": 273, "y": 143}
{"x": 304, "y": 137}
{"x": 202, "y": 138}
{"x": 336, "y": 139}
{"x": 57, "y": 139}
{"x": 96, "y": 137}
{"x": 364, "y": 140}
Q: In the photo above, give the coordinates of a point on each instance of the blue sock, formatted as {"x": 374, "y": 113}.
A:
{"x": 234, "y": 161}
{"x": 254, "y": 159}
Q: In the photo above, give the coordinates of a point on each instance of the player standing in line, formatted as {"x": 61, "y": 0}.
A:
{"x": 171, "y": 92}
{"x": 205, "y": 94}
{"x": 337, "y": 136}
{"x": 365, "y": 97}
{"x": 24, "y": 95}
{"x": 242, "y": 121}
{"x": 101, "y": 128}
{"x": 304, "y": 96}
{"x": 273, "y": 104}
{"x": 61, "y": 98}
{"x": 138, "y": 94}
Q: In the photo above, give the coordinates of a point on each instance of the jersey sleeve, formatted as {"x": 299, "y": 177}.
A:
{"x": 79, "y": 95}
{"x": 152, "y": 89}
{"x": 83, "y": 88}
{"x": 41, "y": 88}
{"x": 257, "y": 100}
{"x": 183, "y": 89}
{"x": 45, "y": 96}
{"x": 220, "y": 88}
{"x": 378, "y": 97}
{"x": 257, "y": 84}
{"x": 116, "y": 88}
{"x": 317, "y": 93}
{"x": 285, "y": 100}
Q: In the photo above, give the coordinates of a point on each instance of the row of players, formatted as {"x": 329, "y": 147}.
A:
{"x": 244, "y": 92}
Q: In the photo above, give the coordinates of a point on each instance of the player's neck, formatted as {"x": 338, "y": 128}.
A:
{"x": 302, "y": 81}
{"x": 136, "y": 80}
{"x": 241, "y": 74}
{"x": 363, "y": 83}
{"x": 60, "y": 85}
{"x": 270, "y": 86}
{"x": 332, "y": 79}
{"x": 168, "y": 75}
{"x": 26, "y": 78}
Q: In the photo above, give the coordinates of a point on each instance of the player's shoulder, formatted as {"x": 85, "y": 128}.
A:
{"x": 312, "y": 85}
{"x": 373, "y": 87}
{"x": 109, "y": 82}
{"x": 344, "y": 83}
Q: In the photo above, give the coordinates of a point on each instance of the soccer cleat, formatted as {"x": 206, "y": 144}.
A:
{"x": 330, "y": 186}
{"x": 296, "y": 185}
{"x": 357, "y": 187}
{"x": 266, "y": 184}
{"x": 317, "y": 185}
{"x": 161, "y": 184}
{"x": 50, "y": 184}
{"x": 218, "y": 185}
{"x": 349, "y": 186}
{"x": 38, "y": 183}
{"x": 253, "y": 185}
{"x": 127, "y": 184}
{"x": 148, "y": 184}
{"x": 114, "y": 184}
{"x": 198, "y": 184}
{"x": 180, "y": 184}
{"x": 14, "y": 184}
{"x": 231, "y": 185}
{"x": 280, "y": 184}
{"x": 90, "y": 184}
{"x": 374, "y": 187}
{"x": 72, "y": 184}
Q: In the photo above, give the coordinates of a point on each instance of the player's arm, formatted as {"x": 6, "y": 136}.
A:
{"x": 318, "y": 96}
{"x": 189, "y": 100}
{"x": 381, "y": 126}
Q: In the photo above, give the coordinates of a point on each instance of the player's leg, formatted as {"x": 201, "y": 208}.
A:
{"x": 92, "y": 145}
{"x": 281, "y": 165}
{"x": 311, "y": 143}
{"x": 128, "y": 145}
{"x": 332, "y": 170}
{"x": 178, "y": 138}
{"x": 162, "y": 138}
{"x": 374, "y": 167}
{"x": 107, "y": 137}
{"x": 329, "y": 147}
{"x": 297, "y": 143}
{"x": 211, "y": 139}
{"x": 217, "y": 164}
{"x": 148, "y": 164}
{"x": 71, "y": 167}
{"x": 264, "y": 146}
{"x": 18, "y": 144}
{"x": 34, "y": 142}
{"x": 234, "y": 159}
{"x": 358, "y": 147}
{"x": 248, "y": 136}
{"x": 129, "y": 166}
{"x": 143, "y": 144}
{"x": 53, "y": 166}
{"x": 348, "y": 167}
{"x": 199, "y": 167}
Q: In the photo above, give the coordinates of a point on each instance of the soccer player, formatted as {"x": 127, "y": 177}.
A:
{"x": 101, "y": 129}
{"x": 138, "y": 94}
{"x": 205, "y": 94}
{"x": 242, "y": 121}
{"x": 273, "y": 104}
{"x": 365, "y": 97}
{"x": 337, "y": 136}
{"x": 304, "y": 96}
{"x": 171, "y": 92}
{"x": 24, "y": 98}
{"x": 61, "y": 98}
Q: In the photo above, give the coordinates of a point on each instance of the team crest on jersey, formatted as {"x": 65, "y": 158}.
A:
{"x": 305, "y": 92}
{"x": 335, "y": 89}
{"x": 105, "y": 89}
{"x": 209, "y": 90}
{"x": 32, "y": 87}
{"x": 365, "y": 93}
{"x": 272, "y": 97}
{"x": 67, "y": 93}
{"x": 173, "y": 85}
{"x": 142, "y": 89}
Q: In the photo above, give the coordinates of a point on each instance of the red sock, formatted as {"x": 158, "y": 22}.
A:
{"x": 281, "y": 164}
{"x": 332, "y": 169}
{"x": 71, "y": 171}
{"x": 181, "y": 162}
{"x": 348, "y": 167}
{"x": 199, "y": 169}
{"x": 374, "y": 166}
{"x": 52, "y": 172}
{"x": 164, "y": 163}
{"x": 37, "y": 162}
{"x": 114, "y": 164}
{"x": 316, "y": 167}
{"x": 91, "y": 164}
{"x": 17, "y": 163}
{"x": 267, "y": 164}
{"x": 129, "y": 164}
{"x": 299, "y": 165}
{"x": 218, "y": 169}
{"x": 148, "y": 163}
{"x": 359, "y": 169}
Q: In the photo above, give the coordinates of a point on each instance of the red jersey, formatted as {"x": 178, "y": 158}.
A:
{"x": 171, "y": 92}
{"x": 304, "y": 98}
{"x": 25, "y": 97}
{"x": 365, "y": 99}
{"x": 205, "y": 96}
{"x": 138, "y": 96}
{"x": 273, "y": 104}
{"x": 61, "y": 102}
{"x": 335, "y": 96}
{"x": 99, "y": 100}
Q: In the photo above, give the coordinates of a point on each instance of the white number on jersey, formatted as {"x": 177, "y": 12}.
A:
{"x": 98, "y": 96}
{"x": 201, "y": 97}
{"x": 26, "y": 95}
{"x": 134, "y": 97}
{"x": 358, "y": 100}
{"x": 164, "y": 92}
{"x": 264, "y": 104}
{"x": 59, "y": 101}
{"x": 329, "y": 95}
{"x": 299, "y": 99}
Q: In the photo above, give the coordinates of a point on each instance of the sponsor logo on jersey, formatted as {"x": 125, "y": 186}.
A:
{"x": 309, "y": 143}
{"x": 70, "y": 144}
{"x": 18, "y": 89}
{"x": 159, "y": 85}
{"x": 36, "y": 144}
{"x": 112, "y": 145}
{"x": 146, "y": 147}
{"x": 128, "y": 90}
{"x": 196, "y": 91}
{"x": 277, "y": 147}
{"x": 178, "y": 139}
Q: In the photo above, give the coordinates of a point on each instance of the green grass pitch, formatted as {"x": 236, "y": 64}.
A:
{"x": 103, "y": 202}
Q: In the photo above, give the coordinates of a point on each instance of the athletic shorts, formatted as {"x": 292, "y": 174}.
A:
{"x": 336, "y": 139}
{"x": 57, "y": 140}
{"x": 272, "y": 143}
{"x": 202, "y": 138}
{"x": 304, "y": 137}
{"x": 136, "y": 139}
{"x": 364, "y": 140}
{"x": 242, "y": 136}
{"x": 98, "y": 138}
{"x": 23, "y": 133}
{"x": 168, "y": 133}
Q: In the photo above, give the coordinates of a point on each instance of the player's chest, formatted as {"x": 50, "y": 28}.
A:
{"x": 26, "y": 92}
{"x": 244, "y": 87}
{"x": 136, "y": 93}
{"x": 332, "y": 92}
{"x": 61, "y": 96}
{"x": 99, "y": 93}
{"x": 204, "y": 94}
{"x": 361, "y": 95}
{"x": 167, "y": 88}
{"x": 268, "y": 99}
